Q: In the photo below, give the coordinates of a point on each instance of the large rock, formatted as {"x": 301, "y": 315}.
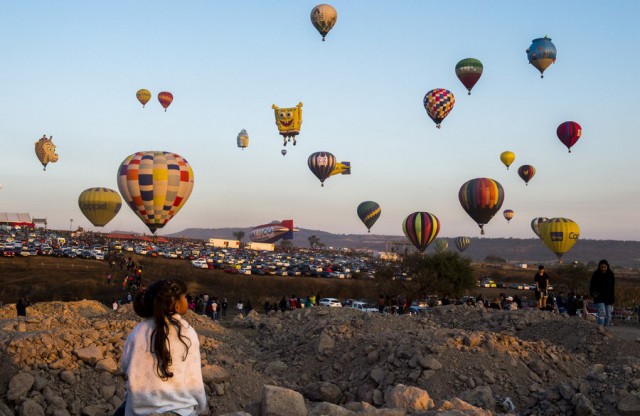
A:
{"x": 30, "y": 408}
{"x": 214, "y": 373}
{"x": 457, "y": 407}
{"x": 19, "y": 386}
{"x": 629, "y": 405}
{"x": 408, "y": 398}
{"x": 329, "y": 409}
{"x": 481, "y": 396}
{"x": 108, "y": 364}
{"x": 278, "y": 401}
{"x": 90, "y": 355}
{"x": 322, "y": 392}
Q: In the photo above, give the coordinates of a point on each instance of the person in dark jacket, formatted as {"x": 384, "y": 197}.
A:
{"x": 602, "y": 290}
{"x": 21, "y": 307}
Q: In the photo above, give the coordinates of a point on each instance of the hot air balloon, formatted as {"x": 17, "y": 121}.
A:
{"x": 46, "y": 151}
{"x": 323, "y": 18}
{"x": 289, "y": 121}
{"x": 526, "y": 172}
{"x": 421, "y": 228}
{"x": 508, "y": 214}
{"x": 99, "y": 205}
{"x": 569, "y": 132}
{"x": 462, "y": 243}
{"x": 283, "y": 152}
{"x": 155, "y": 185}
{"x": 441, "y": 245}
{"x": 541, "y": 54}
{"x": 438, "y": 103}
{"x": 243, "y": 139}
{"x": 507, "y": 157}
{"x": 369, "y": 212}
{"x": 143, "y": 96}
{"x": 165, "y": 98}
{"x": 481, "y": 198}
{"x": 468, "y": 72}
{"x": 535, "y": 225}
{"x": 559, "y": 235}
{"x": 322, "y": 164}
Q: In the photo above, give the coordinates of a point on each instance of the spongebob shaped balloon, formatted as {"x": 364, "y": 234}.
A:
{"x": 288, "y": 121}
{"x": 46, "y": 151}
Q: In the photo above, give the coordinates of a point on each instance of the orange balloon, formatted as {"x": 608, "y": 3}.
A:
{"x": 165, "y": 98}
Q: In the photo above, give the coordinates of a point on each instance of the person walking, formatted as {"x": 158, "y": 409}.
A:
{"x": 541, "y": 280}
{"x": 602, "y": 290}
{"x": 224, "y": 305}
{"x": 21, "y": 308}
{"x": 161, "y": 356}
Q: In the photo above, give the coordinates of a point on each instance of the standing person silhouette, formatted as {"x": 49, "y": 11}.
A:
{"x": 603, "y": 290}
{"x": 161, "y": 356}
{"x": 542, "y": 283}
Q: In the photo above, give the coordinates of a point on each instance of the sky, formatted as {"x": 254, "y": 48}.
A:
{"x": 71, "y": 70}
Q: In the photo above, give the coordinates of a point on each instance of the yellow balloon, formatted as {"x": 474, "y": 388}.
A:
{"x": 143, "y": 96}
{"x": 559, "y": 235}
{"x": 99, "y": 205}
{"x": 342, "y": 168}
{"x": 288, "y": 121}
{"x": 507, "y": 158}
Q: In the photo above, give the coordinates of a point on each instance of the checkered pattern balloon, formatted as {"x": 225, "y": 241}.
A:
{"x": 438, "y": 103}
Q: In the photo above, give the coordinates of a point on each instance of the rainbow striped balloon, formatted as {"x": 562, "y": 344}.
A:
{"x": 421, "y": 228}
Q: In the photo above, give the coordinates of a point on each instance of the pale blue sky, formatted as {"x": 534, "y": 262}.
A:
{"x": 71, "y": 70}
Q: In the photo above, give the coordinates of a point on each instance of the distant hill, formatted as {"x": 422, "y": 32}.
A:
{"x": 529, "y": 251}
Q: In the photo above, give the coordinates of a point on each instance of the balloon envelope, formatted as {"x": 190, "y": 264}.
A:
{"x": 323, "y": 18}
{"x": 508, "y": 214}
{"x": 46, "y": 151}
{"x": 143, "y": 96}
{"x": 462, "y": 243}
{"x": 569, "y": 132}
{"x": 481, "y": 198}
{"x": 507, "y": 157}
{"x": 535, "y": 224}
{"x": 243, "y": 139}
{"x": 468, "y": 72}
{"x": 369, "y": 212}
{"x": 438, "y": 103}
{"x": 526, "y": 172}
{"x": 541, "y": 54}
{"x": 322, "y": 164}
{"x": 421, "y": 228}
{"x": 559, "y": 235}
{"x": 165, "y": 98}
{"x": 155, "y": 185}
{"x": 441, "y": 245}
{"x": 99, "y": 205}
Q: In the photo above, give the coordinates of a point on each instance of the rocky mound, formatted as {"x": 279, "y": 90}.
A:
{"x": 64, "y": 360}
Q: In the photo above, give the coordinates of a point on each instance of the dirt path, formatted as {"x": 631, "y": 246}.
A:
{"x": 626, "y": 332}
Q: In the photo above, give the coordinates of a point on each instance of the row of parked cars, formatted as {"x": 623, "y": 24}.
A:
{"x": 501, "y": 285}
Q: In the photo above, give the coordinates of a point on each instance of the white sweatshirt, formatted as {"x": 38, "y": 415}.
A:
{"x": 146, "y": 391}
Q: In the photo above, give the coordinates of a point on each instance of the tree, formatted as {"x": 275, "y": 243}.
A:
{"x": 314, "y": 241}
{"x": 286, "y": 245}
{"x": 439, "y": 273}
{"x": 492, "y": 258}
{"x": 239, "y": 235}
{"x": 574, "y": 276}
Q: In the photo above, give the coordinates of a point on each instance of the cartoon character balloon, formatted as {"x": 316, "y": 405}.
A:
{"x": 559, "y": 235}
{"x": 421, "y": 228}
{"x": 481, "y": 198}
{"x": 99, "y": 205}
{"x": 323, "y": 18}
{"x": 369, "y": 212}
{"x": 438, "y": 103}
{"x": 569, "y": 132}
{"x": 468, "y": 72}
{"x": 535, "y": 225}
{"x": 165, "y": 98}
{"x": 288, "y": 121}
{"x": 155, "y": 185}
{"x": 507, "y": 157}
{"x": 526, "y": 172}
{"x": 541, "y": 54}
{"x": 508, "y": 214}
{"x": 243, "y": 139}
{"x": 143, "y": 96}
{"x": 46, "y": 151}
{"x": 462, "y": 243}
{"x": 322, "y": 164}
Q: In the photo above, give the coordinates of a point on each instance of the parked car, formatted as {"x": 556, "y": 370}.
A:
{"x": 330, "y": 302}
{"x": 200, "y": 263}
{"x": 363, "y": 306}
